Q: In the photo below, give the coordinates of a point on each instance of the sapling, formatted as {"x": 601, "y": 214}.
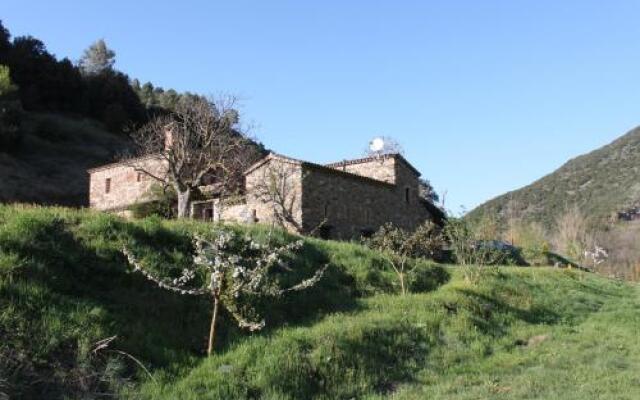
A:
{"x": 236, "y": 268}
{"x": 399, "y": 247}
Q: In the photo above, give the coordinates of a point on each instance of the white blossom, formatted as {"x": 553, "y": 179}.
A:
{"x": 235, "y": 265}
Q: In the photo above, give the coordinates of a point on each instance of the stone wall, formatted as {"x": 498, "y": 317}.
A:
{"x": 381, "y": 168}
{"x": 354, "y": 206}
{"x": 352, "y": 198}
{"x": 118, "y": 186}
{"x": 279, "y": 177}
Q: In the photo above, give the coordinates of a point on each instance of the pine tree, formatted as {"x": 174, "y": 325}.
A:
{"x": 97, "y": 59}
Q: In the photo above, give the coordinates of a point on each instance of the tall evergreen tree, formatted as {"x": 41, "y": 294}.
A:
{"x": 5, "y": 42}
{"x": 97, "y": 59}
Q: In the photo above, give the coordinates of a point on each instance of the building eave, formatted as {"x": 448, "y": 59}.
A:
{"x": 122, "y": 162}
{"x": 355, "y": 161}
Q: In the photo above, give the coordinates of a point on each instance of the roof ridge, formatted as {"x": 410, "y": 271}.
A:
{"x": 361, "y": 160}
{"x": 122, "y": 162}
{"x": 374, "y": 158}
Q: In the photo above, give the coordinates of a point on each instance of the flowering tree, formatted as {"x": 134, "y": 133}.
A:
{"x": 596, "y": 256}
{"x": 237, "y": 268}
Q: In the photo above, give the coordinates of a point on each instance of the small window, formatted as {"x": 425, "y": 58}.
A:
{"x": 254, "y": 215}
{"x": 139, "y": 177}
{"x": 407, "y": 195}
{"x": 326, "y": 210}
{"x": 107, "y": 185}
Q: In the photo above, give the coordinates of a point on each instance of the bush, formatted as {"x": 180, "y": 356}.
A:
{"x": 531, "y": 239}
{"x": 163, "y": 203}
{"x": 400, "y": 247}
{"x": 475, "y": 246}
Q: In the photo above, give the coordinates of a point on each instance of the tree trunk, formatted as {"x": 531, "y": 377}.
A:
{"x": 212, "y": 330}
{"x": 184, "y": 203}
{"x": 402, "y": 288}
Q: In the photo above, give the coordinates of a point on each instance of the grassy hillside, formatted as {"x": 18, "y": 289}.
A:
{"x": 517, "y": 333}
{"x": 602, "y": 183}
{"x": 50, "y": 165}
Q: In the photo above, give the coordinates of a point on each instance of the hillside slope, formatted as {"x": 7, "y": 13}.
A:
{"x": 517, "y": 333}
{"x": 602, "y": 183}
{"x": 50, "y": 166}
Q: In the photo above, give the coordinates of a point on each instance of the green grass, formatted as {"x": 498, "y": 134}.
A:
{"x": 457, "y": 342}
{"x": 517, "y": 333}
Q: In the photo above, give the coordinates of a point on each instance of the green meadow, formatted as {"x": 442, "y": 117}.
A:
{"x": 516, "y": 333}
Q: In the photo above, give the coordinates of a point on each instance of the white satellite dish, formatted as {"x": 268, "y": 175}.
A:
{"x": 377, "y": 144}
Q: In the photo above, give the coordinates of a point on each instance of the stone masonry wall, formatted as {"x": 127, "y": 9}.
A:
{"x": 126, "y": 186}
{"x": 287, "y": 175}
{"x": 354, "y": 206}
{"x": 353, "y": 199}
{"x": 382, "y": 168}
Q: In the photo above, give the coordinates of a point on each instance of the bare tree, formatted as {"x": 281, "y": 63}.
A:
{"x": 572, "y": 235}
{"x": 277, "y": 189}
{"x": 399, "y": 247}
{"x": 199, "y": 142}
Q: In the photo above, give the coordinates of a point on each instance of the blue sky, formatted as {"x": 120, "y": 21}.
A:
{"x": 485, "y": 96}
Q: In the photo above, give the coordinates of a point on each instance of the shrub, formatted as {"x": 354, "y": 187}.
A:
{"x": 572, "y": 236}
{"x": 400, "y": 247}
{"x": 163, "y": 203}
{"x": 531, "y": 238}
{"x": 474, "y": 246}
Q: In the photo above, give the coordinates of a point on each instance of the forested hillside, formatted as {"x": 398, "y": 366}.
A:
{"x": 50, "y": 164}
{"x": 601, "y": 183}
{"x": 58, "y": 118}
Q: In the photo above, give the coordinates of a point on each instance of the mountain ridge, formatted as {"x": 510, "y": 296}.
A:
{"x": 602, "y": 182}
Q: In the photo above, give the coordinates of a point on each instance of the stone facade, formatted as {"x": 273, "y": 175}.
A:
{"x": 378, "y": 168}
{"x": 115, "y": 187}
{"x": 356, "y": 197}
{"x": 346, "y": 199}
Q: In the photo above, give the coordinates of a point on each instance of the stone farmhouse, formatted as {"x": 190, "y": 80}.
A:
{"x": 345, "y": 199}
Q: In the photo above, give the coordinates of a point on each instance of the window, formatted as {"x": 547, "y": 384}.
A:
{"x": 107, "y": 185}
{"x": 407, "y": 195}
{"x": 139, "y": 177}
{"x": 326, "y": 210}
